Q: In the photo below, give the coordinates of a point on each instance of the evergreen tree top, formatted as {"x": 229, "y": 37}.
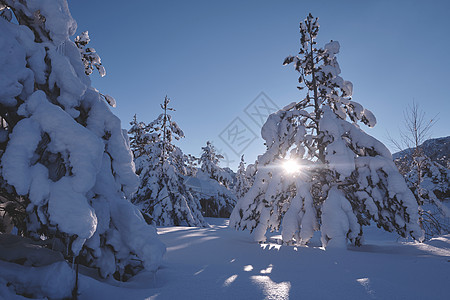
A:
{"x": 209, "y": 161}
{"x": 319, "y": 74}
{"x": 162, "y": 130}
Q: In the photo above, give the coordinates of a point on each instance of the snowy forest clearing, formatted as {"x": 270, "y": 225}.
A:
{"x": 221, "y": 263}
{"x": 79, "y": 192}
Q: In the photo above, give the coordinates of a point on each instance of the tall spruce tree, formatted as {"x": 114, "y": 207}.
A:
{"x": 242, "y": 180}
{"x": 65, "y": 160}
{"x": 139, "y": 137}
{"x": 346, "y": 178}
{"x": 161, "y": 166}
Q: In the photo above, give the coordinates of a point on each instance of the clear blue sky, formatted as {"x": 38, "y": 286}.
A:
{"x": 213, "y": 58}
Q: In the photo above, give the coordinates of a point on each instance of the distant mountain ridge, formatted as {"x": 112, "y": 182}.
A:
{"x": 437, "y": 149}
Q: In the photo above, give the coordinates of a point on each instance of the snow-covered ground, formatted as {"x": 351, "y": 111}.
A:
{"x": 221, "y": 263}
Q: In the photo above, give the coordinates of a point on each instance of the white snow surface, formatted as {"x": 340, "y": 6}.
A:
{"x": 54, "y": 281}
{"x": 221, "y": 263}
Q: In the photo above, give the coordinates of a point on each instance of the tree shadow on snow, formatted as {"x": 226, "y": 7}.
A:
{"x": 433, "y": 248}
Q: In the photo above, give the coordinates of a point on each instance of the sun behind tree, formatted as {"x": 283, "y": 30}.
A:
{"x": 347, "y": 179}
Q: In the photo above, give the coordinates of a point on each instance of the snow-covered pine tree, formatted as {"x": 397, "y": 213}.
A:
{"x": 162, "y": 193}
{"x": 346, "y": 178}
{"x": 191, "y": 163}
{"x": 231, "y": 176}
{"x": 251, "y": 173}
{"x": 139, "y": 137}
{"x": 209, "y": 164}
{"x": 64, "y": 156}
{"x": 427, "y": 179}
{"x": 435, "y": 179}
{"x": 219, "y": 201}
{"x": 242, "y": 180}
